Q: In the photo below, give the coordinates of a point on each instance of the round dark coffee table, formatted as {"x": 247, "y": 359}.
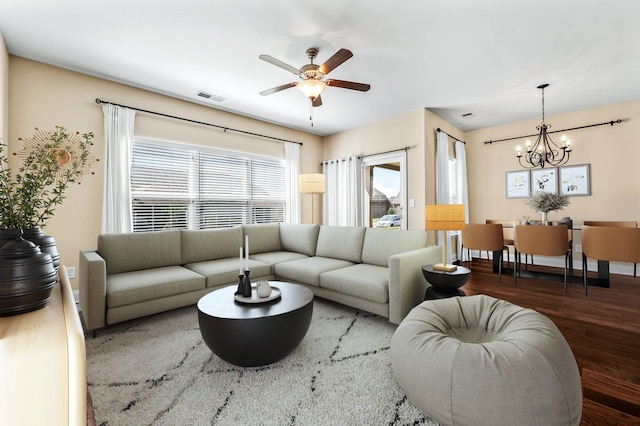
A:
{"x": 254, "y": 334}
{"x": 445, "y": 284}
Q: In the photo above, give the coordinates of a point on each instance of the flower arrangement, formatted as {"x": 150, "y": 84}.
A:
{"x": 51, "y": 160}
{"x": 547, "y": 201}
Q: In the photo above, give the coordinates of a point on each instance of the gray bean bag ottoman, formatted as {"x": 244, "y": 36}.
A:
{"x": 482, "y": 361}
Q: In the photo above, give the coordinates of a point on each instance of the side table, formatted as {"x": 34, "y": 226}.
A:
{"x": 445, "y": 284}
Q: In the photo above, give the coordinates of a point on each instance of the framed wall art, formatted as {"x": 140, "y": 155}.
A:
{"x": 575, "y": 180}
{"x": 544, "y": 180}
{"x": 517, "y": 184}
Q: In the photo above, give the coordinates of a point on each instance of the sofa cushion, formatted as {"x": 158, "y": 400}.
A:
{"x": 225, "y": 271}
{"x": 307, "y": 271}
{"x": 274, "y": 257}
{"x": 140, "y": 250}
{"x": 127, "y": 288}
{"x": 370, "y": 282}
{"x": 299, "y": 238}
{"x": 380, "y": 244}
{"x": 263, "y": 237}
{"x": 341, "y": 242}
{"x": 211, "y": 244}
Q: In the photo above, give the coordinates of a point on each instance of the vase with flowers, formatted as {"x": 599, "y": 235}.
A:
{"x": 546, "y": 202}
{"x": 50, "y": 162}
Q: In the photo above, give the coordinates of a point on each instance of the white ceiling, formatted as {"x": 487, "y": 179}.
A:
{"x": 484, "y": 57}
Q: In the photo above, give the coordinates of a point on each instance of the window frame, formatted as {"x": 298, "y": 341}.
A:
{"x": 201, "y": 187}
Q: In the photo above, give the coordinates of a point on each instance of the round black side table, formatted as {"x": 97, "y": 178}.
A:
{"x": 445, "y": 284}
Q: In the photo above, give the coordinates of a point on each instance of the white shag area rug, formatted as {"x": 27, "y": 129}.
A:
{"x": 158, "y": 371}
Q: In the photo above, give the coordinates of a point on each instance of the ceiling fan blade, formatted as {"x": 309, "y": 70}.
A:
{"x": 332, "y": 63}
{"x": 362, "y": 87}
{"x": 317, "y": 101}
{"x": 280, "y": 64}
{"x": 277, "y": 89}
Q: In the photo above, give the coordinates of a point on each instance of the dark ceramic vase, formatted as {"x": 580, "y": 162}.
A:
{"x": 27, "y": 277}
{"x": 46, "y": 243}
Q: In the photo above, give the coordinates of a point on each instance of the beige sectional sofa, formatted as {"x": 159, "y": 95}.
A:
{"x": 139, "y": 274}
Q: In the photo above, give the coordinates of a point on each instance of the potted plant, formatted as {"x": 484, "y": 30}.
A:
{"x": 546, "y": 202}
{"x": 51, "y": 160}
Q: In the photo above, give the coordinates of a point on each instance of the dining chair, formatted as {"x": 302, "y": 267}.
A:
{"x": 610, "y": 243}
{"x": 542, "y": 241}
{"x": 508, "y": 229}
{"x": 617, "y": 224}
{"x": 480, "y": 237}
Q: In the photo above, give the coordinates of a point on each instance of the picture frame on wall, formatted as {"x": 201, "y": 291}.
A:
{"x": 575, "y": 180}
{"x": 517, "y": 184}
{"x": 544, "y": 180}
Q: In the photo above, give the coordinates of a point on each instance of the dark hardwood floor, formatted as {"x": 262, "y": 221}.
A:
{"x": 603, "y": 330}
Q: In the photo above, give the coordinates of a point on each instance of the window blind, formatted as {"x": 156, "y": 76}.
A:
{"x": 187, "y": 187}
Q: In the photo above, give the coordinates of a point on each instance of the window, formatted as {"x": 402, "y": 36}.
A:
{"x": 188, "y": 187}
{"x": 385, "y": 183}
{"x": 453, "y": 182}
{"x": 454, "y": 198}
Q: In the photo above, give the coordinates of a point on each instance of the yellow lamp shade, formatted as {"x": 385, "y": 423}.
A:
{"x": 444, "y": 217}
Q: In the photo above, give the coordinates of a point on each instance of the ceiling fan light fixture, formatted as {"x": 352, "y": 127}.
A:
{"x": 311, "y": 88}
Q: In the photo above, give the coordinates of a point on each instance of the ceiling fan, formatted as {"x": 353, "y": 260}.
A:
{"x": 312, "y": 77}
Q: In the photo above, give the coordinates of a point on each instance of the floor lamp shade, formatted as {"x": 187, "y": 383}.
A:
{"x": 311, "y": 183}
{"x": 444, "y": 217}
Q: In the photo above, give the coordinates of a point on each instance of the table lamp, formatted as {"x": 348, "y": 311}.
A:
{"x": 311, "y": 183}
{"x": 444, "y": 217}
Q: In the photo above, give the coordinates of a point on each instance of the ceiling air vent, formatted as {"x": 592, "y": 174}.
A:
{"x": 210, "y": 97}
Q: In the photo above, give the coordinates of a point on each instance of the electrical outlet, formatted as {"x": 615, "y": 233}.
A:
{"x": 412, "y": 203}
{"x": 71, "y": 272}
{"x": 579, "y": 248}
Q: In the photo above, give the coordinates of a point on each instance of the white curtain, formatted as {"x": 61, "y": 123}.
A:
{"x": 461, "y": 170}
{"x": 442, "y": 190}
{"x": 116, "y": 198}
{"x": 343, "y": 200}
{"x": 292, "y": 167}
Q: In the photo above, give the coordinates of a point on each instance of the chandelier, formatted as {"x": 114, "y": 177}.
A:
{"x": 544, "y": 151}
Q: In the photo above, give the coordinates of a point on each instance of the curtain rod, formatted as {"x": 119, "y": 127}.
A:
{"x": 406, "y": 148}
{"x": 452, "y": 137}
{"x": 100, "y": 101}
{"x": 612, "y": 122}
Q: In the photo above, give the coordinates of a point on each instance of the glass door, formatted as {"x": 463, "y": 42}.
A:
{"x": 385, "y": 190}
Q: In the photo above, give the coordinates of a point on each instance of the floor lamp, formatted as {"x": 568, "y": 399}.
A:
{"x": 444, "y": 217}
{"x": 311, "y": 183}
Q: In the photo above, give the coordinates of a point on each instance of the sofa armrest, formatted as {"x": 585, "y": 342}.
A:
{"x": 407, "y": 285}
{"x": 92, "y": 275}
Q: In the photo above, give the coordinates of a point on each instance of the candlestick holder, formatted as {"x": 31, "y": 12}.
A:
{"x": 239, "y": 290}
{"x": 246, "y": 285}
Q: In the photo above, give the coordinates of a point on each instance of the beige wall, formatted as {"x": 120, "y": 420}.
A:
{"x": 44, "y": 96}
{"x": 612, "y": 152}
{"x": 417, "y": 130}
{"x": 4, "y": 90}
{"x": 405, "y": 130}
